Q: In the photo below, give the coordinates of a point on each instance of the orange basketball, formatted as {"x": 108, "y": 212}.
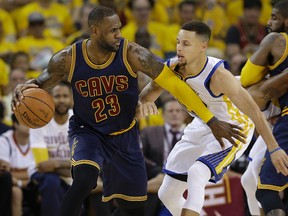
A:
{"x": 36, "y": 109}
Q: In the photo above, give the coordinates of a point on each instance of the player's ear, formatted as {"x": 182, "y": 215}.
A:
{"x": 94, "y": 30}
{"x": 204, "y": 45}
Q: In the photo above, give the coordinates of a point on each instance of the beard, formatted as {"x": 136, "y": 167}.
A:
{"x": 104, "y": 45}
{"x": 61, "y": 111}
{"x": 281, "y": 28}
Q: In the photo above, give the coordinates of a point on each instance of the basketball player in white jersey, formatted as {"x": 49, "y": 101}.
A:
{"x": 52, "y": 154}
{"x": 198, "y": 158}
{"x": 15, "y": 150}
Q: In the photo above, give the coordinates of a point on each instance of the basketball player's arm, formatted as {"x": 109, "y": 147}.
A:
{"x": 140, "y": 59}
{"x": 255, "y": 68}
{"x": 224, "y": 82}
{"x": 269, "y": 89}
{"x": 57, "y": 70}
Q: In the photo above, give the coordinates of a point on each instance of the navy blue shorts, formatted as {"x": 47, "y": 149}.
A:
{"x": 268, "y": 176}
{"x": 119, "y": 157}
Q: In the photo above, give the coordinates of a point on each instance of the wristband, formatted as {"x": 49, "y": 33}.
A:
{"x": 276, "y": 149}
{"x": 213, "y": 119}
{"x": 19, "y": 183}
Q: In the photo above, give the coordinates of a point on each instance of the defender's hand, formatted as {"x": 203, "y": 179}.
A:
{"x": 17, "y": 94}
{"x": 145, "y": 109}
{"x": 280, "y": 161}
{"x": 222, "y": 129}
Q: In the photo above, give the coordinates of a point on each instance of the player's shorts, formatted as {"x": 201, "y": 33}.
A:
{"x": 199, "y": 143}
{"x": 119, "y": 157}
{"x": 268, "y": 177}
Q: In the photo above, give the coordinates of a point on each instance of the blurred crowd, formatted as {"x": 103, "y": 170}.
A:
{"x": 31, "y": 31}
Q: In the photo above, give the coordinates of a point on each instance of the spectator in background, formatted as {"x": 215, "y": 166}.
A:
{"x": 16, "y": 76}
{"x": 236, "y": 62}
{"x": 141, "y": 11}
{"x": 6, "y": 47}
{"x": 20, "y": 60}
{"x": 57, "y": 16}
{"x": 9, "y": 29}
{"x": 39, "y": 47}
{"x": 51, "y": 152}
{"x": 15, "y": 151}
{"x": 184, "y": 12}
{"x": 157, "y": 142}
{"x": 83, "y": 33}
{"x": 247, "y": 34}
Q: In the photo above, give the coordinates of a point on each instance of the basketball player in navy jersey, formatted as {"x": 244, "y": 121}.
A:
{"x": 102, "y": 131}
{"x": 271, "y": 57}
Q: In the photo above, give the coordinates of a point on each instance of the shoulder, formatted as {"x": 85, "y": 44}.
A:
{"x": 271, "y": 39}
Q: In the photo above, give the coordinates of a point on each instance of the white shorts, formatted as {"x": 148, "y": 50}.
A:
{"x": 199, "y": 143}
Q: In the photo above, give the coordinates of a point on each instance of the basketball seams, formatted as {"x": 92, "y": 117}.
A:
{"x": 34, "y": 112}
{"x": 40, "y": 101}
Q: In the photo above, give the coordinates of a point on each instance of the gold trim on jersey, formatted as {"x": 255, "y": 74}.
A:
{"x": 91, "y": 64}
{"x": 284, "y": 111}
{"x": 271, "y": 187}
{"x": 126, "y": 63}
{"x": 284, "y": 56}
{"x": 92, "y": 163}
{"x": 124, "y": 197}
{"x": 228, "y": 188}
{"x": 124, "y": 130}
{"x": 73, "y": 61}
{"x": 242, "y": 119}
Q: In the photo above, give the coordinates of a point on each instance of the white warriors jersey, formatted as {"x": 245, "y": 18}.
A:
{"x": 54, "y": 137}
{"x": 219, "y": 105}
{"x": 198, "y": 141}
{"x": 18, "y": 156}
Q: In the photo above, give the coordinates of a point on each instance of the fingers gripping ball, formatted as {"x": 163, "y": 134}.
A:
{"x": 36, "y": 109}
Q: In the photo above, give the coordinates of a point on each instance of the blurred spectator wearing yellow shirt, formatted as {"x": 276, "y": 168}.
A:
{"x": 8, "y": 25}
{"x": 84, "y": 32}
{"x": 185, "y": 13}
{"x": 6, "y": 47}
{"x": 4, "y": 74}
{"x": 234, "y": 10}
{"x": 39, "y": 47}
{"x": 141, "y": 11}
{"x": 210, "y": 12}
{"x": 58, "y": 19}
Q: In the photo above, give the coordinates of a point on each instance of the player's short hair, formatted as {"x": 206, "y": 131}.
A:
{"x": 249, "y": 4}
{"x": 200, "y": 28}
{"x": 282, "y": 7}
{"x": 98, "y": 14}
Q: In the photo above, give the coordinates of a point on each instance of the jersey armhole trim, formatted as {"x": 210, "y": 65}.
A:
{"x": 126, "y": 63}
{"x": 73, "y": 60}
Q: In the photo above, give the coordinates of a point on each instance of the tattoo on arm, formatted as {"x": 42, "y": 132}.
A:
{"x": 58, "y": 69}
{"x": 271, "y": 93}
{"x": 143, "y": 60}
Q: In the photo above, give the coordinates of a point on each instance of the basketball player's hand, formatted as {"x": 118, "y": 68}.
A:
{"x": 17, "y": 94}
{"x": 145, "y": 109}
{"x": 222, "y": 129}
{"x": 280, "y": 161}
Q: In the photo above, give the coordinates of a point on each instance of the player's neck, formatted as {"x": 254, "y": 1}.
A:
{"x": 196, "y": 66}
{"x": 96, "y": 54}
{"x": 20, "y": 138}
{"x": 61, "y": 118}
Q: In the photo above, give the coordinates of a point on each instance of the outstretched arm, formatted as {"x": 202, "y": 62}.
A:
{"x": 143, "y": 60}
{"x": 255, "y": 68}
{"x": 58, "y": 69}
{"x": 224, "y": 82}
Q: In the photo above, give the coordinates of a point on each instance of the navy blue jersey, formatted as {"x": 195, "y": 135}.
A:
{"x": 277, "y": 68}
{"x": 105, "y": 96}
